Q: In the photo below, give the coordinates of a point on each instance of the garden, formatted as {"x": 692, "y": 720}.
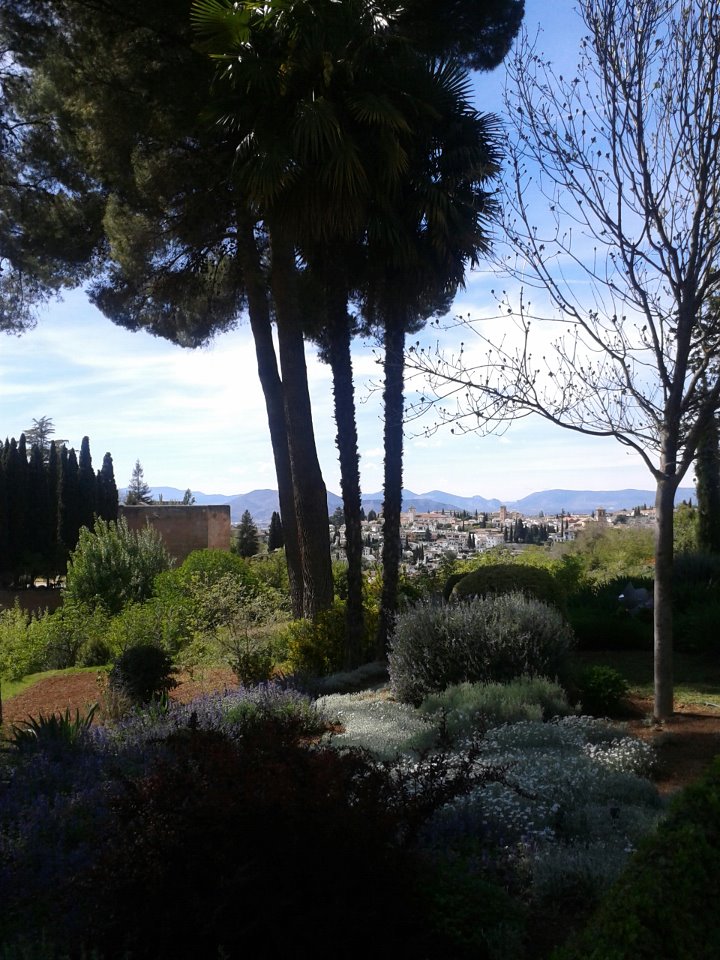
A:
{"x": 187, "y": 772}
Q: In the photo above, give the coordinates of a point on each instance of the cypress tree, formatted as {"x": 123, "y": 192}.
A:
{"x": 3, "y": 520}
{"x": 707, "y": 481}
{"x": 87, "y": 487}
{"x": 53, "y": 476}
{"x": 107, "y": 492}
{"x": 275, "y": 533}
{"x": 16, "y": 486}
{"x": 69, "y": 509}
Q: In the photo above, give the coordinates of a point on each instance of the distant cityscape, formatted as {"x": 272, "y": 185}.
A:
{"x": 574, "y": 503}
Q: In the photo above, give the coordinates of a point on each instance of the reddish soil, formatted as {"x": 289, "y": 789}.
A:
{"x": 685, "y": 744}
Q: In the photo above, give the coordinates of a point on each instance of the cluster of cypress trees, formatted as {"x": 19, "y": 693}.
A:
{"x": 46, "y": 496}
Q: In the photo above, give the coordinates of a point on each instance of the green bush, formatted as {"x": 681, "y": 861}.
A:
{"x": 508, "y": 578}
{"x": 74, "y": 635}
{"x": 113, "y": 565}
{"x": 601, "y": 690}
{"x": 464, "y": 707}
{"x": 663, "y": 905}
{"x": 316, "y": 648}
{"x": 152, "y": 622}
{"x": 142, "y": 673}
{"x": 21, "y": 650}
{"x": 696, "y": 602}
{"x": 499, "y": 637}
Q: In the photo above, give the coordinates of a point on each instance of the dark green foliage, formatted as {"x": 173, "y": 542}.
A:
{"x": 477, "y": 919}
{"x": 508, "y": 578}
{"x": 44, "y": 499}
{"x": 696, "y": 602}
{"x": 601, "y": 623}
{"x": 600, "y": 691}
{"x": 664, "y": 904}
{"x": 707, "y": 472}
{"x": 142, "y": 673}
{"x": 499, "y": 637}
{"x": 275, "y": 533}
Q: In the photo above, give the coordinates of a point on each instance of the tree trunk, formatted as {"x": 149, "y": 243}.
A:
{"x": 347, "y": 443}
{"x": 663, "y": 618}
{"x": 393, "y": 400}
{"x": 260, "y": 324}
{"x": 308, "y": 485}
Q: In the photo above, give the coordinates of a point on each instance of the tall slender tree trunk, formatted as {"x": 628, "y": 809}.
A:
{"x": 260, "y": 324}
{"x": 308, "y": 485}
{"x": 339, "y": 339}
{"x": 663, "y": 616}
{"x": 393, "y": 400}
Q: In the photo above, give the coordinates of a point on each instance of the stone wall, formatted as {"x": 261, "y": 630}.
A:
{"x": 182, "y": 528}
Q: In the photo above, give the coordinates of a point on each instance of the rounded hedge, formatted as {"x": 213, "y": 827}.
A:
{"x": 507, "y": 578}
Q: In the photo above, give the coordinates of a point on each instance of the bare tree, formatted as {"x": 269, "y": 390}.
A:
{"x": 613, "y": 218}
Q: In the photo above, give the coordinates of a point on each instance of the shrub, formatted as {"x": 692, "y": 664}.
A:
{"x": 492, "y": 638}
{"x": 509, "y": 578}
{"x": 21, "y": 650}
{"x": 601, "y": 690}
{"x": 74, "y": 635}
{"x": 316, "y": 648}
{"x": 674, "y": 871}
{"x": 149, "y": 623}
{"x": 465, "y": 707}
{"x": 113, "y": 565}
{"x": 142, "y": 672}
{"x": 54, "y": 733}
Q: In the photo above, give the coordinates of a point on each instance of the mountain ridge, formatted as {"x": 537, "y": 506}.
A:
{"x": 262, "y": 502}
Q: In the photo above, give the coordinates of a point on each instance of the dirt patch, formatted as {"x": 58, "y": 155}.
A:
{"x": 79, "y": 691}
{"x": 685, "y": 744}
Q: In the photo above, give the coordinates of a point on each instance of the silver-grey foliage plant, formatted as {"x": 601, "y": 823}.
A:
{"x": 488, "y": 639}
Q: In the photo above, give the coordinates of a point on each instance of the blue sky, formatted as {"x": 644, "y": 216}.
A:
{"x": 197, "y": 419}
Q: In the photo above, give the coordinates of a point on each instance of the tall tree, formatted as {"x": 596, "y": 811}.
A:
{"x": 707, "y": 477}
{"x": 275, "y": 532}
{"x": 87, "y": 486}
{"x": 628, "y": 151}
{"x": 246, "y": 541}
{"x": 41, "y": 435}
{"x": 138, "y": 491}
{"x": 107, "y": 492}
{"x": 165, "y": 231}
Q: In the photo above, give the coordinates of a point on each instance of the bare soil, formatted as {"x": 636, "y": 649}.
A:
{"x": 685, "y": 744}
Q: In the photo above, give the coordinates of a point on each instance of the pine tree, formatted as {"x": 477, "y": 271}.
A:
{"x": 188, "y": 499}
{"x": 138, "y": 491}
{"x": 246, "y": 539}
{"x": 275, "y": 533}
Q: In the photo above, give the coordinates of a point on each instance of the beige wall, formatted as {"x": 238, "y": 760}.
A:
{"x": 182, "y": 528}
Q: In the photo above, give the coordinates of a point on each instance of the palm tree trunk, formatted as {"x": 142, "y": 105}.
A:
{"x": 393, "y": 399}
{"x": 308, "y": 485}
{"x": 347, "y": 443}
{"x": 260, "y": 324}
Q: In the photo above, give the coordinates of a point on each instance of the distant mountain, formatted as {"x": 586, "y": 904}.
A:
{"x": 262, "y": 503}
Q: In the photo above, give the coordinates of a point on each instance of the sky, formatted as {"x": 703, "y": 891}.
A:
{"x": 196, "y": 418}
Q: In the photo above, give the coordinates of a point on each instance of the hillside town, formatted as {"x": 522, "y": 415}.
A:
{"x": 430, "y": 537}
